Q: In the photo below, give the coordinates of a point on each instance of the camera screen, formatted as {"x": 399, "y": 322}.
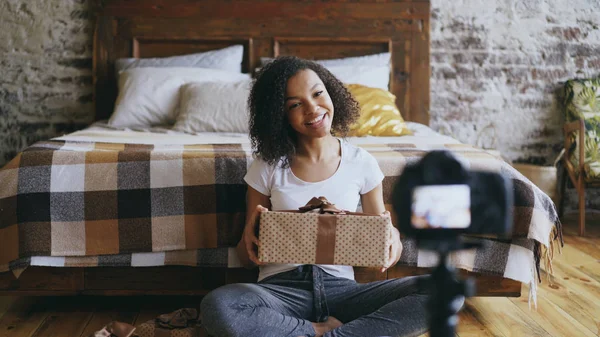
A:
{"x": 441, "y": 206}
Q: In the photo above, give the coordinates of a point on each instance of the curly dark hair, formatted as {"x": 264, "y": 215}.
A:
{"x": 273, "y": 138}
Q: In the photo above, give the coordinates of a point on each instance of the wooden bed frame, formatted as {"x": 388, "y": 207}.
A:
{"x": 309, "y": 29}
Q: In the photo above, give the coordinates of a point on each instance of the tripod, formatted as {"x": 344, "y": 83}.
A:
{"x": 445, "y": 287}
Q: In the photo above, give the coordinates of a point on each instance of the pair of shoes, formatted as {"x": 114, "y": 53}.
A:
{"x": 115, "y": 329}
{"x": 178, "y": 319}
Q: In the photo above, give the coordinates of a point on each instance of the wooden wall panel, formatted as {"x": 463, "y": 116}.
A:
{"x": 329, "y": 48}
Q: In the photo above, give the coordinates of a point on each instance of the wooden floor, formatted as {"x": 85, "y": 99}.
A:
{"x": 568, "y": 303}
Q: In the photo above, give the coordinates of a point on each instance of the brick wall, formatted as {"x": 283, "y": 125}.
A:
{"x": 496, "y": 67}
{"x": 45, "y": 70}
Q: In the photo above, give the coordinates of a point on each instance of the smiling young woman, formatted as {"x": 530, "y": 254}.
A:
{"x": 310, "y": 113}
{"x": 298, "y": 111}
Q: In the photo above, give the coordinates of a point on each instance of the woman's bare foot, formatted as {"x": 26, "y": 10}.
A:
{"x": 323, "y": 327}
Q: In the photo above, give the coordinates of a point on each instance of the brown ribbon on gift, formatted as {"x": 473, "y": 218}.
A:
{"x": 322, "y": 204}
{"x": 326, "y": 228}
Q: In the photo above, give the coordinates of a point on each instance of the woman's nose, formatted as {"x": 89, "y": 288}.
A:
{"x": 312, "y": 107}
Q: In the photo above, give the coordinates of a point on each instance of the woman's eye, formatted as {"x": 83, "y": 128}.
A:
{"x": 295, "y": 105}
{"x": 318, "y": 93}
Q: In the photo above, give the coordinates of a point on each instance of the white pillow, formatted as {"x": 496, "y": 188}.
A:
{"x": 375, "y": 60}
{"x": 369, "y": 76}
{"x": 370, "y": 70}
{"x": 375, "y": 77}
{"x": 214, "y": 107}
{"x": 229, "y": 59}
{"x": 149, "y": 96}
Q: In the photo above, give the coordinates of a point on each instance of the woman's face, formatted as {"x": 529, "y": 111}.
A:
{"x": 308, "y": 105}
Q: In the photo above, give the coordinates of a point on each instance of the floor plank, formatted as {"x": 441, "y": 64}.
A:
{"x": 6, "y": 302}
{"x": 550, "y": 316}
{"x": 573, "y": 256}
{"x": 592, "y": 270}
{"x": 470, "y": 326}
{"x": 571, "y": 303}
{"x": 576, "y": 280}
{"x": 586, "y": 245}
{"x": 572, "y": 290}
{"x": 505, "y": 316}
{"x": 589, "y": 243}
{"x": 62, "y": 324}
{"x": 24, "y": 317}
{"x": 67, "y": 316}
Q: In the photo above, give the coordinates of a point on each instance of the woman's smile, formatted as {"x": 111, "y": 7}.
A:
{"x": 317, "y": 122}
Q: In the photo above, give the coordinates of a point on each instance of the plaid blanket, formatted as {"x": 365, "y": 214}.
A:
{"x": 110, "y": 204}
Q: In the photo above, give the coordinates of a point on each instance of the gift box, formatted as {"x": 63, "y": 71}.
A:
{"x": 319, "y": 233}
{"x": 180, "y": 323}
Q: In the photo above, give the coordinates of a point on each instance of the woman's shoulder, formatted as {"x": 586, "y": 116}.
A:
{"x": 353, "y": 152}
{"x": 259, "y": 163}
{"x": 260, "y": 175}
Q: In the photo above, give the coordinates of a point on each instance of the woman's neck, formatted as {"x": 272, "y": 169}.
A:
{"x": 318, "y": 149}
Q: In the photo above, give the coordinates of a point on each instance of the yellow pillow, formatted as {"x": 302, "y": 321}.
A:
{"x": 379, "y": 115}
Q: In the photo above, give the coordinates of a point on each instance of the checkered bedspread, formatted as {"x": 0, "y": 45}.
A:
{"x": 67, "y": 203}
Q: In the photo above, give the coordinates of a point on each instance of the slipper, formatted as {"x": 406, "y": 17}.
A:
{"x": 115, "y": 329}
{"x": 178, "y": 319}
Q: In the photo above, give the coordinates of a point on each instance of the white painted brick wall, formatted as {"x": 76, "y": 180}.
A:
{"x": 497, "y": 66}
{"x": 45, "y": 70}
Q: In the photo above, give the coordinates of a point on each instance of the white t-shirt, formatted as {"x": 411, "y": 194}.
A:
{"x": 358, "y": 173}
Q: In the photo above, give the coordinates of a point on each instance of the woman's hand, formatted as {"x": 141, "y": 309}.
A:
{"x": 372, "y": 203}
{"x": 249, "y": 238}
{"x": 247, "y": 248}
{"x": 396, "y": 247}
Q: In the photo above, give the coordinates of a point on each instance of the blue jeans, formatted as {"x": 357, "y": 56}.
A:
{"x": 285, "y": 305}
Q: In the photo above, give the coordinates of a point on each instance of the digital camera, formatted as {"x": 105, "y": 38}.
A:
{"x": 437, "y": 198}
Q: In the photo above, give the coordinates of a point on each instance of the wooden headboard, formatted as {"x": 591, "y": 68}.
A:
{"x": 308, "y": 29}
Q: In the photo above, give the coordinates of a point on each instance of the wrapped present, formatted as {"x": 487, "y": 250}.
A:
{"x": 319, "y": 233}
{"x": 180, "y": 323}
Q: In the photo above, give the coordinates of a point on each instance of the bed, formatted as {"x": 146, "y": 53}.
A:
{"x": 118, "y": 209}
